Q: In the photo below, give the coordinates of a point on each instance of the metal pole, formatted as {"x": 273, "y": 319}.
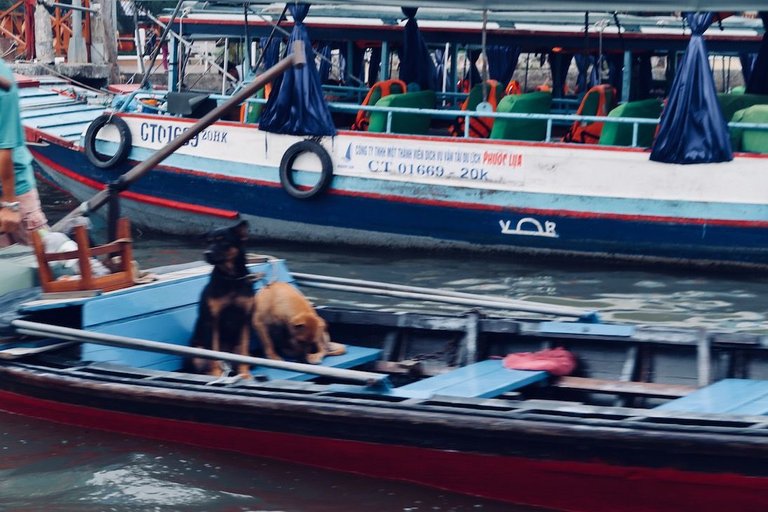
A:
{"x": 436, "y": 295}
{"x": 67, "y": 333}
{"x": 297, "y": 58}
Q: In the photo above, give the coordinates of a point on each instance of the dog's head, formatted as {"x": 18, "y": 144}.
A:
{"x": 225, "y": 245}
{"x": 309, "y": 331}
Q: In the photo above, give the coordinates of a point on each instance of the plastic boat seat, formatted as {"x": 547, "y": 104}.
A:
{"x": 523, "y": 129}
{"x": 732, "y": 103}
{"x": 620, "y": 134}
{"x": 416, "y": 124}
{"x": 728, "y": 396}
{"x": 745, "y": 139}
{"x": 485, "y": 379}
{"x": 379, "y": 90}
{"x": 598, "y": 101}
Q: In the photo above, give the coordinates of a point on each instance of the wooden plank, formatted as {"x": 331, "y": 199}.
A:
{"x": 75, "y": 108}
{"x": 586, "y": 329}
{"x": 734, "y": 396}
{"x": 647, "y": 389}
{"x": 485, "y": 379}
{"x": 355, "y": 356}
{"x": 25, "y": 349}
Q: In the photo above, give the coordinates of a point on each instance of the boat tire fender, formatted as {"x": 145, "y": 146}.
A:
{"x": 286, "y": 169}
{"x": 124, "y": 146}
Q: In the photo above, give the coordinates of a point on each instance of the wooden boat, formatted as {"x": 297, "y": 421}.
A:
{"x": 426, "y": 190}
{"x": 652, "y": 418}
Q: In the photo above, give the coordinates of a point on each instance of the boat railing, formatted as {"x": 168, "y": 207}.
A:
{"x": 551, "y": 119}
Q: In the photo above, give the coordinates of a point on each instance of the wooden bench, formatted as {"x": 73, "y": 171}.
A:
{"x": 485, "y": 379}
{"x": 728, "y": 396}
{"x": 355, "y": 356}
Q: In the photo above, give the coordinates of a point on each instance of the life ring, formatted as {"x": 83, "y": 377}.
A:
{"x": 123, "y": 148}
{"x": 286, "y": 169}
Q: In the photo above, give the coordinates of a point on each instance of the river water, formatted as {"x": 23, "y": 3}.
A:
{"x": 51, "y": 467}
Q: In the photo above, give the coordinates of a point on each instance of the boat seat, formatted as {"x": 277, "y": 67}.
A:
{"x": 750, "y": 140}
{"x": 598, "y": 101}
{"x": 415, "y": 124}
{"x": 523, "y": 129}
{"x": 122, "y": 277}
{"x": 478, "y": 126}
{"x": 354, "y": 356}
{"x": 379, "y": 90}
{"x": 728, "y": 396}
{"x": 620, "y": 134}
{"x": 732, "y": 103}
{"x": 484, "y": 379}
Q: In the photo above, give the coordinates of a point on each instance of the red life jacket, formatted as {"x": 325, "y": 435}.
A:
{"x": 513, "y": 87}
{"x": 479, "y": 127}
{"x": 585, "y": 132}
{"x": 375, "y": 93}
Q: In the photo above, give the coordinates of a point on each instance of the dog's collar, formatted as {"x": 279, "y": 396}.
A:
{"x": 252, "y": 278}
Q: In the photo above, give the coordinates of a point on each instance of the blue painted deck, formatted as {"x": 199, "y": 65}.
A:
{"x": 485, "y": 379}
{"x": 355, "y": 356}
{"x": 44, "y": 109}
{"x": 728, "y": 396}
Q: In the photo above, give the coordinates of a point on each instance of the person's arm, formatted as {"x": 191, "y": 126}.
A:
{"x": 10, "y": 218}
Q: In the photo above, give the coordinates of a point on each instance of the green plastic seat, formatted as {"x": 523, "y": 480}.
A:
{"x": 744, "y": 139}
{"x": 620, "y": 134}
{"x": 416, "y": 124}
{"x": 523, "y": 129}
{"x": 732, "y": 103}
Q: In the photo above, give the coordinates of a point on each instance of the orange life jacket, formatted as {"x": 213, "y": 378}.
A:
{"x": 585, "y": 132}
{"x": 513, "y": 87}
{"x": 479, "y": 127}
{"x": 375, "y": 93}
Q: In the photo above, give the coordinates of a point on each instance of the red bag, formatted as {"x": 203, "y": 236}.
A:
{"x": 556, "y": 361}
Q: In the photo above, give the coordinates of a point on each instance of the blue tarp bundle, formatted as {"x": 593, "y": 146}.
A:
{"x": 502, "y": 61}
{"x": 757, "y": 83}
{"x": 296, "y": 105}
{"x": 416, "y": 65}
{"x": 692, "y": 128}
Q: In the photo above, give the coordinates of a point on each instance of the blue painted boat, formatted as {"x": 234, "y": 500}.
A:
{"x": 422, "y": 190}
{"x": 651, "y": 419}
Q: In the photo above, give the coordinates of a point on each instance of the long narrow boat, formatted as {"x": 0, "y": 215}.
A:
{"x": 651, "y": 418}
{"x": 397, "y": 185}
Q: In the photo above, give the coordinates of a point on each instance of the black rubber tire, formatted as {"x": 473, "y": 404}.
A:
{"x": 286, "y": 169}
{"x": 123, "y": 149}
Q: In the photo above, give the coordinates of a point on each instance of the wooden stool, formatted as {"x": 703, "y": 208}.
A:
{"x": 120, "y": 278}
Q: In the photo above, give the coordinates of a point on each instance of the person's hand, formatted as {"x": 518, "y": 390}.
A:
{"x": 9, "y": 220}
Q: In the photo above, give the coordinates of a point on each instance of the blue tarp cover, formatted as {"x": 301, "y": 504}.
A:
{"x": 296, "y": 105}
{"x": 757, "y": 82}
{"x": 416, "y": 65}
{"x": 692, "y": 128}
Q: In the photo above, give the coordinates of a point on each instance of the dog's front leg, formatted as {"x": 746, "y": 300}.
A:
{"x": 244, "y": 370}
{"x": 215, "y": 309}
{"x": 266, "y": 341}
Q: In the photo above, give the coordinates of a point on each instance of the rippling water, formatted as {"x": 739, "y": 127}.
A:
{"x": 51, "y": 467}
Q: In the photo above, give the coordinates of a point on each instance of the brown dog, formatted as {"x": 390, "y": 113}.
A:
{"x": 281, "y": 306}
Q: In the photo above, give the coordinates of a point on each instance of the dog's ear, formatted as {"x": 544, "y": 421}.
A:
{"x": 299, "y": 323}
{"x": 241, "y": 229}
